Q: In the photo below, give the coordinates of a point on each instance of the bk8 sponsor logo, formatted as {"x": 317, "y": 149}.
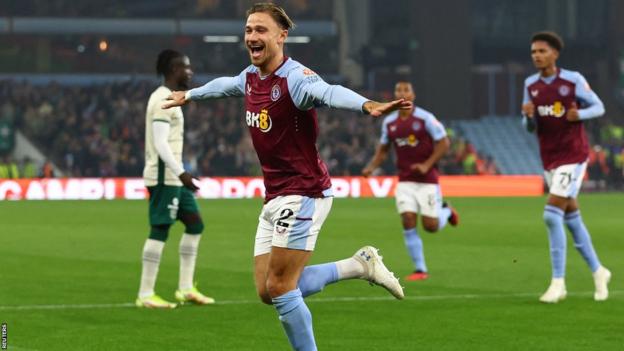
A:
{"x": 409, "y": 141}
{"x": 555, "y": 110}
{"x": 260, "y": 120}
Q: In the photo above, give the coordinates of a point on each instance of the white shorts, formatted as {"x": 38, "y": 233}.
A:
{"x": 292, "y": 222}
{"x": 422, "y": 198}
{"x": 566, "y": 180}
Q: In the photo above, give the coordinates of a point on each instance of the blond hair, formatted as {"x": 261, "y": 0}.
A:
{"x": 276, "y": 12}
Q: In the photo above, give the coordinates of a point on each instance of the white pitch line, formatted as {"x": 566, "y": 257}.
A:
{"x": 311, "y": 300}
{"x": 11, "y": 347}
{"x": 64, "y": 306}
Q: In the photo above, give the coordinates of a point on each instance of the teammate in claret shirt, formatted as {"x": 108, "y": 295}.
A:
{"x": 419, "y": 141}
{"x": 556, "y": 102}
{"x": 280, "y": 100}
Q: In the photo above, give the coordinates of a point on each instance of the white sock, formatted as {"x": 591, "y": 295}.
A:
{"x": 188, "y": 255}
{"x": 152, "y": 250}
{"x": 350, "y": 268}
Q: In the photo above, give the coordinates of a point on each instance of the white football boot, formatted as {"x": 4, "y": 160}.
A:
{"x": 376, "y": 271}
{"x": 602, "y": 276}
{"x": 556, "y": 291}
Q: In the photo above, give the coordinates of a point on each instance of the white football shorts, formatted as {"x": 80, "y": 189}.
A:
{"x": 566, "y": 180}
{"x": 422, "y": 198}
{"x": 291, "y": 221}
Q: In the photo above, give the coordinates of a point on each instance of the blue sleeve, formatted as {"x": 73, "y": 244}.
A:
{"x": 219, "y": 88}
{"x": 525, "y": 94}
{"x": 384, "y": 133}
{"x": 529, "y": 124}
{"x": 590, "y": 105}
{"x": 308, "y": 90}
{"x": 434, "y": 127}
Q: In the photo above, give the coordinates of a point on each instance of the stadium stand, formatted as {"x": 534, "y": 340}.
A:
{"x": 96, "y": 131}
{"x": 514, "y": 150}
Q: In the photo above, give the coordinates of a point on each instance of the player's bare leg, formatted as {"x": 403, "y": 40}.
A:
{"x": 558, "y": 201}
{"x": 261, "y": 268}
{"x": 430, "y": 224}
{"x": 284, "y": 269}
{"x": 583, "y": 244}
{"x": 409, "y": 220}
{"x": 572, "y": 205}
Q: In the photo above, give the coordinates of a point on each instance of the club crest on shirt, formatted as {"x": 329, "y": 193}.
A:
{"x": 416, "y": 126}
{"x": 393, "y": 128}
{"x": 564, "y": 90}
{"x": 534, "y": 93}
{"x": 248, "y": 89}
{"x": 276, "y": 92}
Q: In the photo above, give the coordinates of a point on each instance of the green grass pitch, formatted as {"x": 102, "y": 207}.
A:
{"x": 81, "y": 261}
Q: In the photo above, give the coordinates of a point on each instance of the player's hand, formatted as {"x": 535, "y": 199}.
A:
{"x": 573, "y": 115}
{"x": 528, "y": 109}
{"x": 187, "y": 179}
{"x": 177, "y": 98}
{"x": 377, "y": 109}
{"x": 367, "y": 171}
{"x": 420, "y": 168}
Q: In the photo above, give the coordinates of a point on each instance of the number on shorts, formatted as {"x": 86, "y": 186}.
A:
{"x": 432, "y": 200}
{"x": 566, "y": 178}
{"x": 284, "y": 215}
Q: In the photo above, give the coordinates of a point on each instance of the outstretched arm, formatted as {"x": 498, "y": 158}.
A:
{"x": 216, "y": 88}
{"x": 378, "y": 109}
{"x": 381, "y": 153}
{"x": 309, "y": 90}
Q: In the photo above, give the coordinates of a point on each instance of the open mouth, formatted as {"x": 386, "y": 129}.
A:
{"x": 256, "y": 50}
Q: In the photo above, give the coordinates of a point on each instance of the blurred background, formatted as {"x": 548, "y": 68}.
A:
{"x": 75, "y": 78}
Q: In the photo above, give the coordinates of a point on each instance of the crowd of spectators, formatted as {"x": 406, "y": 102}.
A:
{"x": 463, "y": 158}
{"x": 25, "y": 168}
{"x": 606, "y": 157}
{"x": 98, "y": 131}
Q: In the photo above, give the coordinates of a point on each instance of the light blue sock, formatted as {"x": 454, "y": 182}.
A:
{"x": 314, "y": 278}
{"x": 553, "y": 217}
{"x": 414, "y": 245}
{"x": 582, "y": 240}
{"x": 296, "y": 320}
{"x": 445, "y": 213}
